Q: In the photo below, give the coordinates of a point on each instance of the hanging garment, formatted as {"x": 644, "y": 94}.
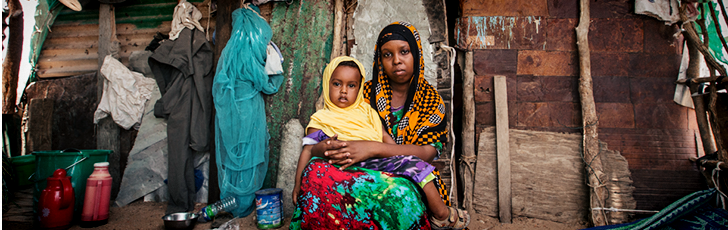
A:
{"x": 187, "y": 16}
{"x": 182, "y": 69}
{"x": 241, "y": 135}
{"x": 124, "y": 95}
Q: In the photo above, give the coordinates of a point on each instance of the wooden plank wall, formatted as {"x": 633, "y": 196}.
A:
{"x": 635, "y": 60}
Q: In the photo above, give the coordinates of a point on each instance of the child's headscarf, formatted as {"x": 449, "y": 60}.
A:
{"x": 424, "y": 111}
{"x": 356, "y": 122}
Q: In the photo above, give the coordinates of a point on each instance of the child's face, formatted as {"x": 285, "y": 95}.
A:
{"x": 397, "y": 61}
{"x": 344, "y": 86}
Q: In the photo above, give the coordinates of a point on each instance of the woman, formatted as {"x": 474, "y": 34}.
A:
{"x": 413, "y": 114}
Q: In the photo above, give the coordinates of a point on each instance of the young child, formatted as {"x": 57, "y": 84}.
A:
{"x": 347, "y": 116}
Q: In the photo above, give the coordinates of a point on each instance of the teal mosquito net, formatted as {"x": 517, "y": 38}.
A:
{"x": 241, "y": 135}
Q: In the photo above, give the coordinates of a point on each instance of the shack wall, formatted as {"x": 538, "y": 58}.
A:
{"x": 635, "y": 60}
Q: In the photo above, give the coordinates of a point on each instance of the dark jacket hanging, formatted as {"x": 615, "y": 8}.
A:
{"x": 182, "y": 68}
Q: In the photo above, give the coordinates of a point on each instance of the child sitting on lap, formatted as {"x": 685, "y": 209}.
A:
{"x": 347, "y": 116}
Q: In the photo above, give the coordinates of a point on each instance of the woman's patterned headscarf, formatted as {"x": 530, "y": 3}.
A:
{"x": 424, "y": 111}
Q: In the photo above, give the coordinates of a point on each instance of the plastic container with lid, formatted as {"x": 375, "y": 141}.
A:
{"x": 98, "y": 192}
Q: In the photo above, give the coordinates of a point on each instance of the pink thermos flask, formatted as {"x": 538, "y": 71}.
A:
{"x": 96, "y": 202}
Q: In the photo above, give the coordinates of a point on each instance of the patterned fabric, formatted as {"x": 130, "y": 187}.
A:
{"x": 411, "y": 167}
{"x": 357, "y": 198}
{"x": 408, "y": 166}
{"x": 424, "y": 109}
{"x": 690, "y": 212}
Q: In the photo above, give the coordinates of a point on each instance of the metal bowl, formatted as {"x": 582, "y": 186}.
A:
{"x": 180, "y": 221}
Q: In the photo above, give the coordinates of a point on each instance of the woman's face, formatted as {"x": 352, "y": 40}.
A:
{"x": 397, "y": 61}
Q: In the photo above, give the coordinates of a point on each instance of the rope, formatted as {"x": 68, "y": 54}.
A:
{"x": 715, "y": 177}
{"x": 468, "y": 160}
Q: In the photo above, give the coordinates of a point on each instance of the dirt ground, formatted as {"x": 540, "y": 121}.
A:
{"x": 147, "y": 215}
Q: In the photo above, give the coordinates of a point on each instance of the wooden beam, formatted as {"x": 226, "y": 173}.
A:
{"x": 593, "y": 161}
{"x": 502, "y": 149}
{"x": 223, "y": 30}
{"x": 107, "y": 131}
{"x": 468, "y": 136}
{"x": 11, "y": 64}
{"x": 693, "y": 40}
{"x": 336, "y": 47}
{"x": 693, "y": 72}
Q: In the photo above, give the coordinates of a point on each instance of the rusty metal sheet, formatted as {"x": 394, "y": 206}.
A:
{"x": 303, "y": 31}
{"x": 623, "y": 35}
{"x": 547, "y": 63}
{"x": 504, "y": 8}
{"x": 501, "y": 32}
{"x": 616, "y": 115}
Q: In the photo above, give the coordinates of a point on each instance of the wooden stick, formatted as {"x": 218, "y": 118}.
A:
{"x": 695, "y": 41}
{"x": 711, "y": 164}
{"x": 598, "y": 193}
{"x": 701, "y": 80}
{"x": 468, "y": 139}
{"x": 502, "y": 149}
{"x": 336, "y": 46}
{"x": 694, "y": 38}
{"x": 716, "y": 22}
{"x": 693, "y": 72}
{"x": 338, "y": 24}
{"x": 107, "y": 131}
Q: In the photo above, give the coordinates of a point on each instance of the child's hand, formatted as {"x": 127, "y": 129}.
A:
{"x": 296, "y": 191}
{"x": 332, "y": 149}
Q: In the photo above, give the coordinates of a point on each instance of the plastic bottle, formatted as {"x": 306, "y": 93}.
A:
{"x": 209, "y": 212}
{"x": 96, "y": 203}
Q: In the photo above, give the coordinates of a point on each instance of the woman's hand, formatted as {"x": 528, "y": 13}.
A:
{"x": 353, "y": 152}
{"x": 322, "y": 148}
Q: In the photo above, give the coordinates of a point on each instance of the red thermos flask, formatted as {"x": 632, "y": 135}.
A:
{"x": 56, "y": 202}
{"x": 96, "y": 202}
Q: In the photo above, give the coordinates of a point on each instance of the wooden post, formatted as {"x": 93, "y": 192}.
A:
{"x": 598, "y": 193}
{"x": 691, "y": 36}
{"x": 693, "y": 71}
{"x": 40, "y": 124}
{"x": 338, "y": 25}
{"x": 223, "y": 30}
{"x": 107, "y": 131}
{"x": 467, "y": 166}
{"x": 337, "y": 42}
{"x": 11, "y": 65}
{"x": 502, "y": 149}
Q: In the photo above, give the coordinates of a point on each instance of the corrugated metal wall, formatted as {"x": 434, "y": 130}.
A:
{"x": 71, "y": 46}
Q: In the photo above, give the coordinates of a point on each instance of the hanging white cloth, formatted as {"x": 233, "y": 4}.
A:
{"x": 185, "y": 15}
{"x": 124, "y": 95}
{"x": 663, "y": 10}
{"x": 274, "y": 61}
{"x": 682, "y": 92}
